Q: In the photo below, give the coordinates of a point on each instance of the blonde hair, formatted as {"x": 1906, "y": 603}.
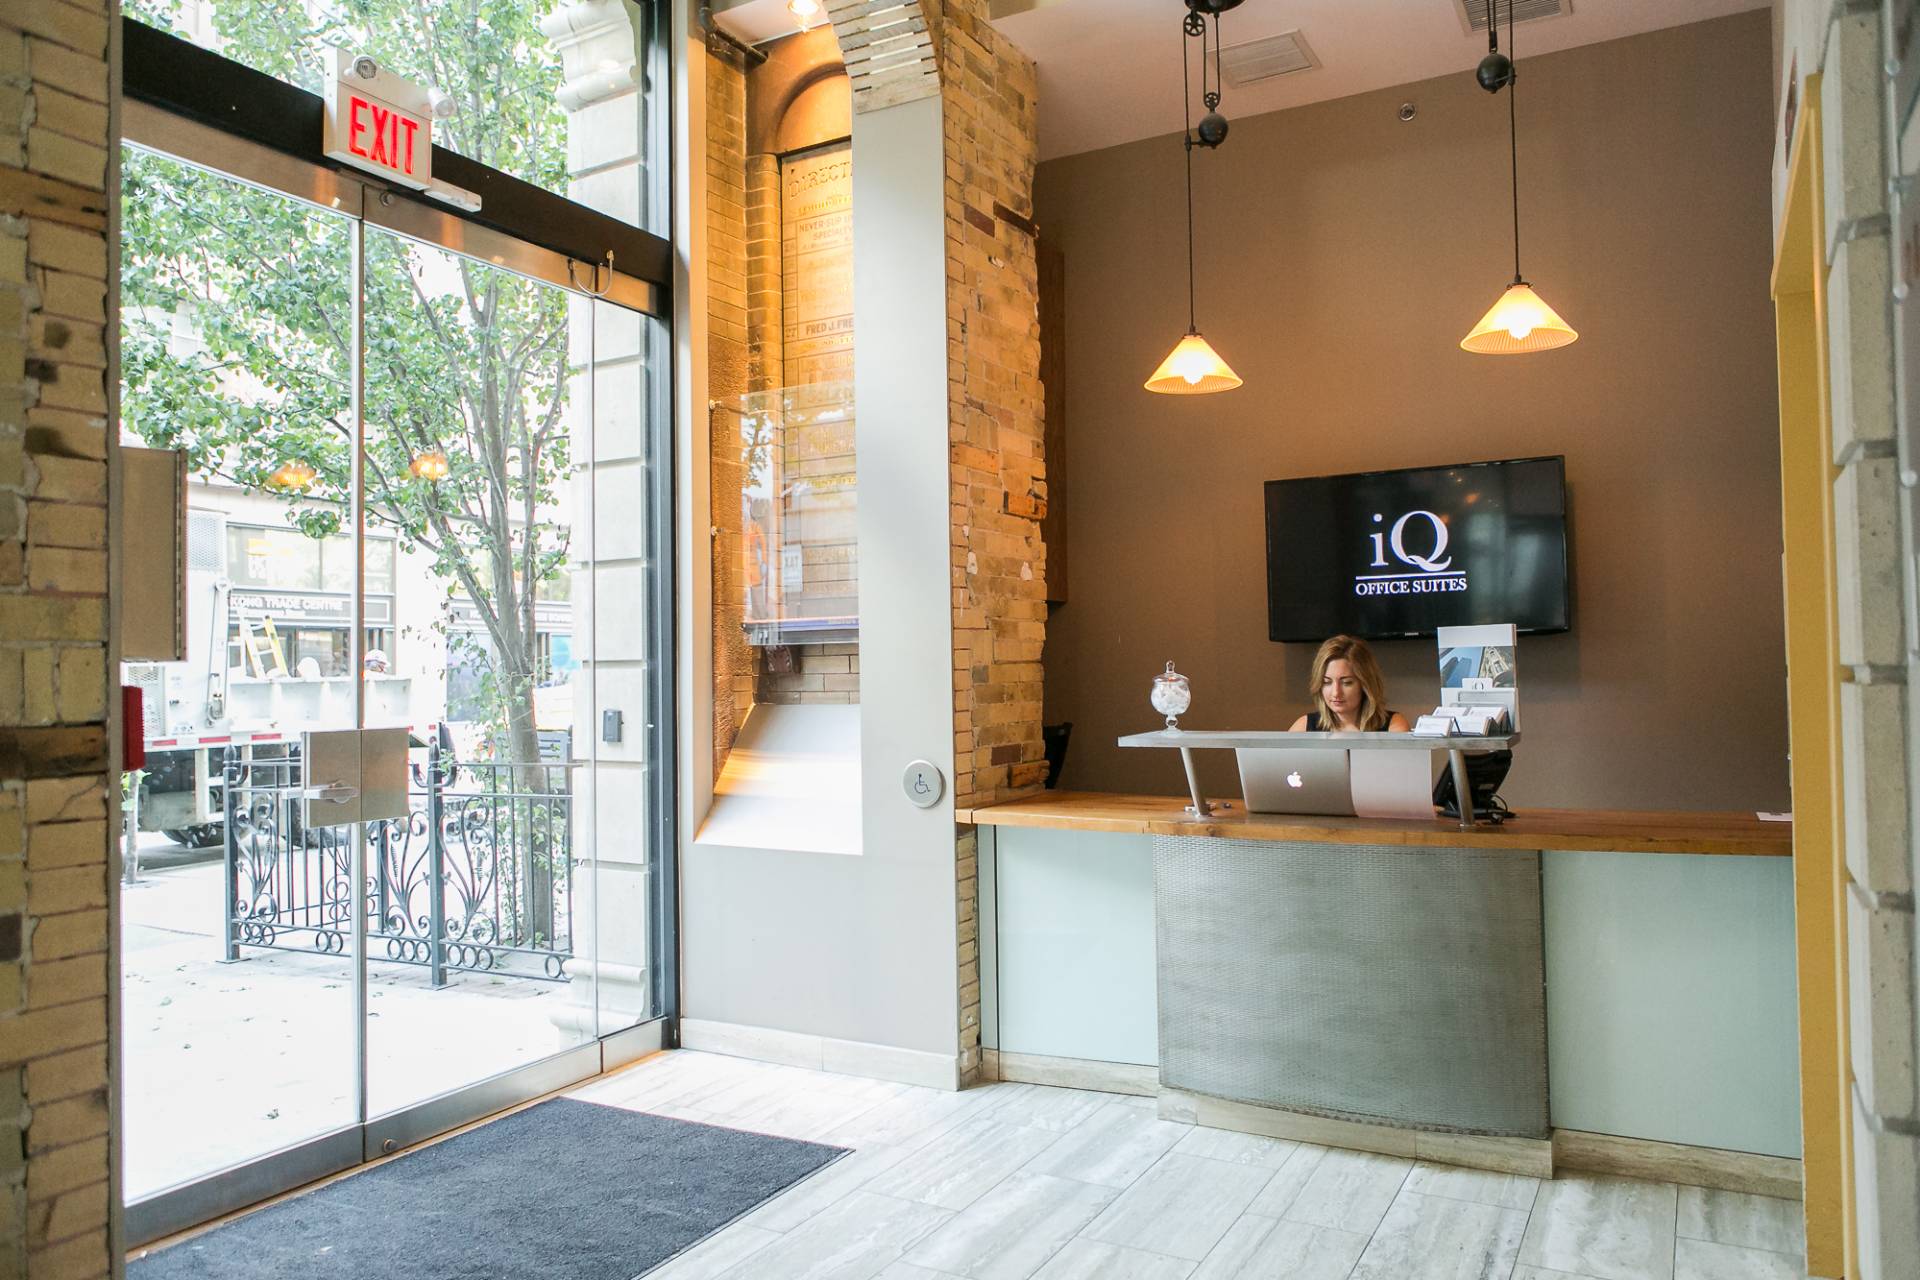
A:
{"x": 1374, "y": 716}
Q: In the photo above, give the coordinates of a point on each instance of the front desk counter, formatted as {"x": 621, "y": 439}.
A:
{"x": 1612, "y": 988}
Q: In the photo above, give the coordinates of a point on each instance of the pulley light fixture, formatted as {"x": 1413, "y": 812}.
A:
{"x": 1193, "y": 367}
{"x": 430, "y": 465}
{"x": 296, "y": 475}
{"x": 1521, "y": 321}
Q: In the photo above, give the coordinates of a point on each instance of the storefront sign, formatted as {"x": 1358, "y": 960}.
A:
{"x": 376, "y": 121}
{"x": 816, "y": 266}
{"x": 307, "y": 608}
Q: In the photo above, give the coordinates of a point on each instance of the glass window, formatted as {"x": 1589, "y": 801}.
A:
{"x": 502, "y": 72}
{"x": 282, "y": 559}
{"x": 336, "y": 560}
{"x": 276, "y": 559}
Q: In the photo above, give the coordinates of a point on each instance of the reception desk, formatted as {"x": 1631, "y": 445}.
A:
{"x": 1481, "y": 997}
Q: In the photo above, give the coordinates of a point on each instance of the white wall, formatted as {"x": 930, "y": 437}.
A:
{"x": 861, "y": 947}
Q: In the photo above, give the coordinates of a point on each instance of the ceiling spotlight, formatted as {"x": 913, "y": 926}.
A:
{"x": 805, "y": 10}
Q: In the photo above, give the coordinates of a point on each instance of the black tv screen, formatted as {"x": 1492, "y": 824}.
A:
{"x": 1401, "y": 553}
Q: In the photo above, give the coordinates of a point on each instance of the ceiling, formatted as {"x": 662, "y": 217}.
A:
{"x": 1109, "y": 71}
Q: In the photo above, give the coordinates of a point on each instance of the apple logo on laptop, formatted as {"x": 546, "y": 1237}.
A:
{"x": 1295, "y": 781}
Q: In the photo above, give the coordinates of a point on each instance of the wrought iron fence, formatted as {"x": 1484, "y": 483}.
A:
{"x": 478, "y": 876}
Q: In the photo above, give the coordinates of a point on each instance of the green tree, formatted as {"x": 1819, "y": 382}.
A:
{"x": 238, "y": 311}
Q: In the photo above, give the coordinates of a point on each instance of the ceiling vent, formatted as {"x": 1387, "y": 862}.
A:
{"x": 1473, "y": 13}
{"x": 1255, "y": 60}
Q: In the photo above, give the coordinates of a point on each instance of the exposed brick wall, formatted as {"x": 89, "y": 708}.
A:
{"x": 995, "y": 422}
{"x": 56, "y": 167}
{"x": 828, "y": 673}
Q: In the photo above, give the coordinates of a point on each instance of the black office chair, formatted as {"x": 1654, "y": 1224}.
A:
{"x": 1054, "y": 738}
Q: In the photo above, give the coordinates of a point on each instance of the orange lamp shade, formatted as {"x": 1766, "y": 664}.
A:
{"x": 1192, "y": 368}
{"x": 295, "y": 475}
{"x": 1518, "y": 323}
{"x": 429, "y": 466}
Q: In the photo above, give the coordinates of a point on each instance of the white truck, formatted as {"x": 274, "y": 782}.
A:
{"x": 236, "y": 689}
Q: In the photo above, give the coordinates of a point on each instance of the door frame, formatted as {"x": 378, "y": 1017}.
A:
{"x": 1814, "y": 676}
{"x": 367, "y": 202}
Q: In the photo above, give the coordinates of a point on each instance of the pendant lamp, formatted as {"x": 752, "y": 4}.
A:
{"x": 1193, "y": 367}
{"x": 1521, "y": 321}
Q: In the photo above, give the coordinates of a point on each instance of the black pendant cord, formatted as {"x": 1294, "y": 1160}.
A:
{"x": 1186, "y": 144}
{"x": 1513, "y": 140}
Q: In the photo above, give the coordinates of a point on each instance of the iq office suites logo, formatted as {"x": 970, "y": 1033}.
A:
{"x": 1431, "y": 565}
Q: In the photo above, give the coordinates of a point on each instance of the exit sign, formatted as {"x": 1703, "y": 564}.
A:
{"x": 376, "y": 121}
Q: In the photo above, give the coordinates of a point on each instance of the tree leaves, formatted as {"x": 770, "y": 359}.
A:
{"x": 237, "y": 309}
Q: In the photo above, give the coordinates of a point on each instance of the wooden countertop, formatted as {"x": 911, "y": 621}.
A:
{"x": 1618, "y": 831}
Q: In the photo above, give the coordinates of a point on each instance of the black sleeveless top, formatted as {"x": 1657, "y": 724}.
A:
{"x": 1313, "y": 720}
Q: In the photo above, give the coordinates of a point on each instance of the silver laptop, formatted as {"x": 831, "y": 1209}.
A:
{"x": 1293, "y": 780}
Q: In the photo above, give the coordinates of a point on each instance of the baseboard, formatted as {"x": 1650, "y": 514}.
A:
{"x": 1079, "y": 1073}
{"x": 822, "y": 1053}
{"x": 989, "y": 1072}
{"x": 1673, "y": 1162}
{"x": 1529, "y": 1157}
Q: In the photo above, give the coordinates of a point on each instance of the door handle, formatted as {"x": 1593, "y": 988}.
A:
{"x": 331, "y": 792}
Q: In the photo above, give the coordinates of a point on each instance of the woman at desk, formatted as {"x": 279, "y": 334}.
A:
{"x": 1348, "y": 692}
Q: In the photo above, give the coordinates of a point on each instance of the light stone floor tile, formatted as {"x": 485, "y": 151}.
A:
{"x": 714, "y": 1255}
{"x": 662, "y": 1080}
{"x": 1284, "y": 1188}
{"x": 1181, "y": 1207}
{"x": 1113, "y": 1146}
{"x": 1704, "y": 1260}
{"x": 796, "y": 1205}
{"x": 1235, "y": 1148}
{"x": 856, "y": 1239}
{"x": 753, "y": 1092}
{"x": 1257, "y": 1247}
{"x": 1434, "y": 1238}
{"x": 964, "y": 1164}
{"x": 1349, "y": 1190}
{"x": 985, "y": 1184}
{"x": 899, "y": 1121}
{"x": 1752, "y": 1222}
{"x": 1009, "y": 1233}
{"x": 1044, "y": 1106}
{"x": 1608, "y": 1228}
{"x": 808, "y": 1116}
{"x": 1502, "y": 1190}
{"x": 1090, "y": 1260}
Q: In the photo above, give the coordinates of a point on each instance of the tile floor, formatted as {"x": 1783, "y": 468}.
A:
{"x": 1010, "y": 1181}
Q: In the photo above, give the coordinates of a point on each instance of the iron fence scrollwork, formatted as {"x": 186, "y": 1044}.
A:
{"x": 476, "y": 877}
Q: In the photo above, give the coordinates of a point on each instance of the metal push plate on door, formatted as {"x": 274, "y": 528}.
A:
{"x": 353, "y": 775}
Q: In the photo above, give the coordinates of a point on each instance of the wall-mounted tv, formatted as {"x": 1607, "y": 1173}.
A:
{"x": 1383, "y": 554}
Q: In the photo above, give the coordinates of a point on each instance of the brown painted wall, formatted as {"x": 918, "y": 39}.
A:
{"x": 1342, "y": 255}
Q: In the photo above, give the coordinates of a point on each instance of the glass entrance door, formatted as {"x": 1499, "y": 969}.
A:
{"x": 471, "y": 460}
{"x": 236, "y": 951}
{"x": 401, "y": 494}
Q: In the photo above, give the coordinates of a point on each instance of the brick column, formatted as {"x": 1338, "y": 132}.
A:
{"x": 56, "y": 401}
{"x": 995, "y": 426}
